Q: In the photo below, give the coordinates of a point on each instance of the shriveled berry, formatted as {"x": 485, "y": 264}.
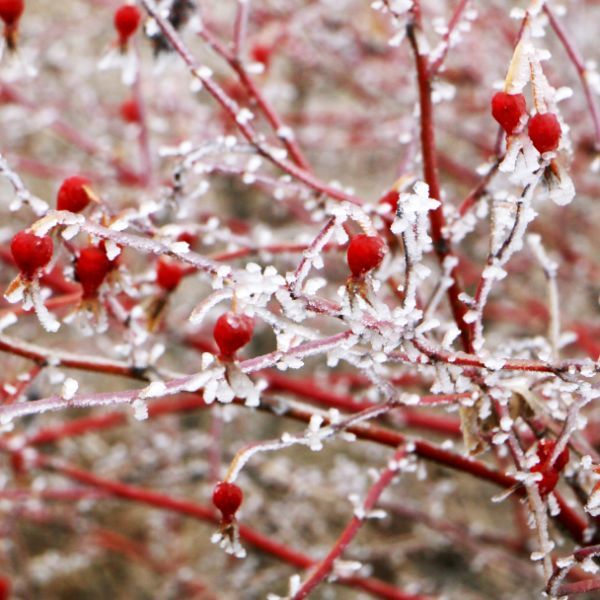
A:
{"x": 544, "y": 131}
{"x": 231, "y": 332}
{"x": 31, "y": 252}
{"x": 11, "y": 11}
{"x": 74, "y": 194}
{"x": 227, "y": 497}
{"x": 127, "y": 20}
{"x": 168, "y": 274}
{"x": 130, "y": 111}
{"x": 508, "y": 109}
{"x": 365, "y": 253}
{"x": 91, "y": 268}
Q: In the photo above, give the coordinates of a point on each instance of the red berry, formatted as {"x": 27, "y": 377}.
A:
{"x": 74, "y": 194}
{"x": 365, "y": 253}
{"x": 31, "y": 252}
{"x": 544, "y": 131}
{"x": 186, "y": 236}
{"x": 127, "y": 20}
{"x": 261, "y": 53}
{"x": 508, "y": 109}
{"x": 391, "y": 199}
{"x": 168, "y": 274}
{"x": 91, "y": 268}
{"x": 11, "y": 11}
{"x": 232, "y": 332}
{"x": 4, "y": 588}
{"x": 227, "y": 497}
{"x": 130, "y": 111}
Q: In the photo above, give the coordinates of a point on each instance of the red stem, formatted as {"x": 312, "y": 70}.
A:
{"x": 437, "y": 220}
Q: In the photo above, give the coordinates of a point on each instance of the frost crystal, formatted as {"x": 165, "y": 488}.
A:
{"x": 154, "y": 390}
{"x": 69, "y": 389}
{"x": 140, "y": 409}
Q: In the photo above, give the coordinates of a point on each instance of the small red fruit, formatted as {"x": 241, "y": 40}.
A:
{"x": 261, "y": 53}
{"x": 11, "y": 11}
{"x": 5, "y": 587}
{"x": 130, "y": 111}
{"x": 91, "y": 268}
{"x": 391, "y": 199}
{"x": 365, "y": 253}
{"x": 227, "y": 497}
{"x": 544, "y": 131}
{"x": 186, "y": 236}
{"x": 508, "y": 109}
{"x": 74, "y": 194}
{"x": 232, "y": 332}
{"x": 127, "y": 20}
{"x": 168, "y": 274}
{"x": 31, "y": 252}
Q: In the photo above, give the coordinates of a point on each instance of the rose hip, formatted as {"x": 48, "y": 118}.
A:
{"x": 11, "y": 11}
{"x": 544, "y": 131}
{"x": 74, "y": 194}
{"x": 31, "y": 252}
{"x": 231, "y": 332}
{"x": 227, "y": 497}
{"x": 127, "y": 20}
{"x": 168, "y": 274}
{"x": 130, "y": 111}
{"x": 365, "y": 253}
{"x": 91, "y": 268}
{"x": 508, "y": 109}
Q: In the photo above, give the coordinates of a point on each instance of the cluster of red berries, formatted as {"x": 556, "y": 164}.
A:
{"x": 543, "y": 128}
{"x": 32, "y": 253}
{"x": 227, "y": 498}
{"x": 550, "y": 472}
